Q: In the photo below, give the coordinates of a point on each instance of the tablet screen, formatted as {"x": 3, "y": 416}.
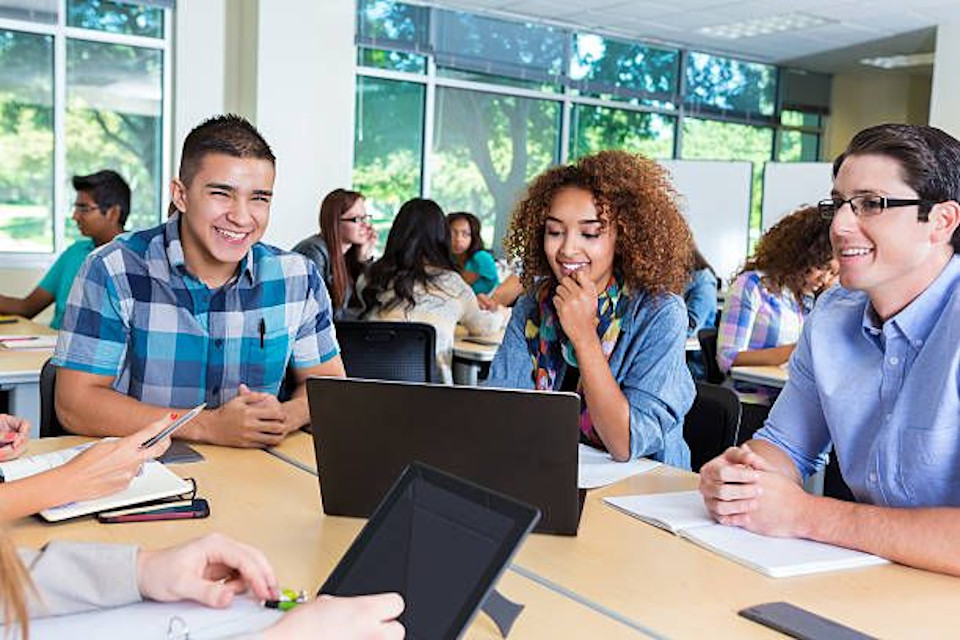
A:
{"x": 439, "y": 541}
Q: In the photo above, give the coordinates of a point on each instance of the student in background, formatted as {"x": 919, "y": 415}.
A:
{"x": 876, "y": 374}
{"x": 700, "y": 297}
{"x": 74, "y": 577}
{"x": 417, "y": 280}
{"x": 197, "y": 309}
{"x": 344, "y": 224}
{"x": 767, "y": 301}
{"x": 100, "y": 212}
{"x": 476, "y": 264}
{"x": 105, "y": 468}
{"x": 605, "y": 254}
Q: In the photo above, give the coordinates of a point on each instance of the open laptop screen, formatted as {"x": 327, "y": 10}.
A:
{"x": 439, "y": 541}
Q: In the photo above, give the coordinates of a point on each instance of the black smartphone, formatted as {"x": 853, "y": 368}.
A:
{"x": 799, "y": 623}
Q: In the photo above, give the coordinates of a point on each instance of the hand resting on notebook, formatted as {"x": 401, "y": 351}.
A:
{"x": 106, "y": 467}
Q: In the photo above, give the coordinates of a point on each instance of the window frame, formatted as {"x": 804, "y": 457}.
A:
{"x": 570, "y": 95}
{"x": 62, "y": 194}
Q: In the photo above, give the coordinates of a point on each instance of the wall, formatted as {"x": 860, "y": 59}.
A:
{"x": 304, "y": 106}
{"x": 873, "y": 97}
{"x": 945, "y": 98}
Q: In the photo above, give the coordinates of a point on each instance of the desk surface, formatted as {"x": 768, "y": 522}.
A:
{"x": 23, "y": 365}
{"x": 261, "y": 500}
{"x": 771, "y": 376}
{"x": 676, "y": 588}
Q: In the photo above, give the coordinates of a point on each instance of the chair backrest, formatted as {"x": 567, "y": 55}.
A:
{"x": 711, "y": 424}
{"x": 376, "y": 350}
{"x": 50, "y": 426}
{"x": 708, "y": 352}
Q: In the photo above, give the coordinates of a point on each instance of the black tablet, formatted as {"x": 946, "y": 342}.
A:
{"x": 438, "y": 540}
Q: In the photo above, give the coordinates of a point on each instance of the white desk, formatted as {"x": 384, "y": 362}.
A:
{"x": 769, "y": 376}
{"x": 20, "y": 372}
{"x": 469, "y": 356}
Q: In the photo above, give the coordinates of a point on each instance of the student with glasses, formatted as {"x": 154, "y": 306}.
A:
{"x": 344, "y": 224}
{"x": 100, "y": 213}
{"x": 876, "y": 374}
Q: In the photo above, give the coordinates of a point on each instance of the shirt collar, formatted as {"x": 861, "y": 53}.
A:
{"x": 916, "y": 320}
{"x": 174, "y": 251}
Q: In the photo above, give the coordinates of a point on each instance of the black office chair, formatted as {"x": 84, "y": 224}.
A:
{"x": 50, "y": 426}
{"x": 711, "y": 424}
{"x": 708, "y": 352}
{"x": 388, "y": 350}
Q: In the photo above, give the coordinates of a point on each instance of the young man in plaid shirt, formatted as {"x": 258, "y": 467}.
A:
{"x": 197, "y": 310}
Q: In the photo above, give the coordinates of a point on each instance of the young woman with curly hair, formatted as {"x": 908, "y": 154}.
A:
{"x": 604, "y": 253}
{"x": 768, "y": 299}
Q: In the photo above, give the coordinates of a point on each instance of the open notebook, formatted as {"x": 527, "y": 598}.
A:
{"x": 684, "y": 514}
{"x": 154, "y": 482}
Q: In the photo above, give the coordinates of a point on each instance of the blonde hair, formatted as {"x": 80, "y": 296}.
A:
{"x": 14, "y": 583}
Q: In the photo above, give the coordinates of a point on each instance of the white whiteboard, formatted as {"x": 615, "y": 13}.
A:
{"x": 788, "y": 185}
{"x": 715, "y": 197}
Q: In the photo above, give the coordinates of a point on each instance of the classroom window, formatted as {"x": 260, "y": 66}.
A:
{"x": 113, "y": 115}
{"x": 613, "y": 69}
{"x": 114, "y": 120}
{"x": 44, "y": 11}
{"x": 116, "y": 17}
{"x": 393, "y": 60}
{"x": 477, "y": 76}
{"x": 594, "y": 128}
{"x": 481, "y": 48}
{"x": 729, "y": 85}
{"x": 26, "y": 137}
{"x": 486, "y": 147}
{"x": 388, "y": 146}
{"x": 798, "y": 146}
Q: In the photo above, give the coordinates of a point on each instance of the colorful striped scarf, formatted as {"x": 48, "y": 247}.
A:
{"x": 548, "y": 345}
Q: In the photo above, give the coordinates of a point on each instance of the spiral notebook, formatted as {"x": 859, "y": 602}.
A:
{"x": 683, "y": 513}
{"x": 154, "y": 482}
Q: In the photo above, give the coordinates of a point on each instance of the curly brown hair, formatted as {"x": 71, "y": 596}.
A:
{"x": 790, "y": 249}
{"x": 654, "y": 244}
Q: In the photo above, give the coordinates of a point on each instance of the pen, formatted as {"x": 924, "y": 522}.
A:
{"x": 288, "y": 600}
{"x": 263, "y": 330}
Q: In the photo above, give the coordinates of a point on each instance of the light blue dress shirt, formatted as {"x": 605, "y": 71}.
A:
{"x": 647, "y": 362}
{"x": 886, "y": 395}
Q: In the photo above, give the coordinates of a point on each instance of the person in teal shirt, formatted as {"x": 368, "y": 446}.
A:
{"x": 100, "y": 211}
{"x": 476, "y": 263}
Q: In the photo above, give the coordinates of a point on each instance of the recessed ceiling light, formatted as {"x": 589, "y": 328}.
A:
{"x": 766, "y": 25}
{"x": 899, "y": 62}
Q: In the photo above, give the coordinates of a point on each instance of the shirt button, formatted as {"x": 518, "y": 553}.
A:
{"x": 216, "y": 390}
{"x": 894, "y": 360}
{"x": 918, "y": 343}
{"x": 888, "y": 416}
{"x": 872, "y": 478}
{"x": 219, "y": 343}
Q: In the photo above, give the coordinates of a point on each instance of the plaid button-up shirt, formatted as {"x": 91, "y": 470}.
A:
{"x": 135, "y": 313}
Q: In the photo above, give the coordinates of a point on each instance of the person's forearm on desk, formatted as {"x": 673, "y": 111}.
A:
{"x": 764, "y": 357}
{"x": 38, "y": 300}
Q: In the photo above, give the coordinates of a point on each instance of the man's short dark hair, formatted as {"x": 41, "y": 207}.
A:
{"x": 228, "y": 134}
{"x": 107, "y": 189}
{"x": 929, "y": 159}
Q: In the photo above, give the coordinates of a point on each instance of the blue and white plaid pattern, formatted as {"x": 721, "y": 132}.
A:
{"x": 136, "y": 314}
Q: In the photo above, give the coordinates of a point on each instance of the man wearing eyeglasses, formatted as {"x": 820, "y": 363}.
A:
{"x": 876, "y": 374}
{"x": 100, "y": 211}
